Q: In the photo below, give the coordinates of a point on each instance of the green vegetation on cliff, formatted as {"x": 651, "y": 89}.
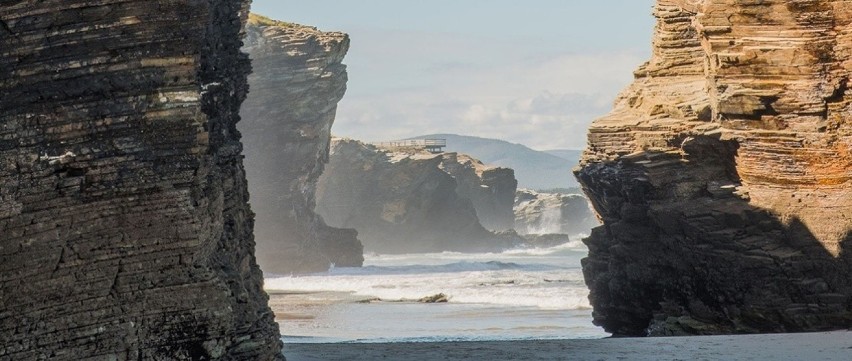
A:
{"x": 260, "y": 20}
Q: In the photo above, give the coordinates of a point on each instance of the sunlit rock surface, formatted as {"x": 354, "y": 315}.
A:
{"x": 297, "y": 80}
{"x": 552, "y": 213}
{"x": 401, "y": 202}
{"x": 722, "y": 175}
{"x": 125, "y": 231}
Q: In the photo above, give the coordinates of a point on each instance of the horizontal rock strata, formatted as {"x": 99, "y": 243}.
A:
{"x": 297, "y": 80}
{"x": 401, "y": 202}
{"x": 723, "y": 174}
{"x": 125, "y": 232}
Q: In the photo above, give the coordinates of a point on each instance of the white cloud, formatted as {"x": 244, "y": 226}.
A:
{"x": 408, "y": 84}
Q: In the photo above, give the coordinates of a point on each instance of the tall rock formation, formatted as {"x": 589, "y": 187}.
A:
{"x": 125, "y": 232}
{"x": 723, "y": 174}
{"x": 296, "y": 83}
{"x": 552, "y": 213}
{"x": 400, "y": 202}
{"x": 490, "y": 189}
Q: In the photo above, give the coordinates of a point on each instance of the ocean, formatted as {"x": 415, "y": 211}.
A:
{"x": 514, "y": 295}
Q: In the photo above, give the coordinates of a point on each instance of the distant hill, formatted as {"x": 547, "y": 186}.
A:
{"x": 570, "y": 154}
{"x": 534, "y": 169}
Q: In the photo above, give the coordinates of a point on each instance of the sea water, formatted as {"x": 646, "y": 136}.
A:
{"x": 514, "y": 295}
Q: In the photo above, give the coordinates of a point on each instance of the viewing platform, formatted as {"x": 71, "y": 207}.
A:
{"x": 430, "y": 145}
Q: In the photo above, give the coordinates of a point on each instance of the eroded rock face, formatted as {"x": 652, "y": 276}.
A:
{"x": 723, "y": 175}
{"x": 490, "y": 189}
{"x": 125, "y": 231}
{"x": 400, "y": 202}
{"x": 552, "y": 213}
{"x": 297, "y": 80}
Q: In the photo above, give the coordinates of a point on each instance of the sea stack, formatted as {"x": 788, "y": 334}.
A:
{"x": 297, "y": 79}
{"x": 402, "y": 201}
{"x": 723, "y": 175}
{"x": 125, "y": 229}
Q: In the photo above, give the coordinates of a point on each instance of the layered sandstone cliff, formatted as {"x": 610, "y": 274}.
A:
{"x": 125, "y": 231}
{"x": 296, "y": 82}
{"x": 552, "y": 213}
{"x": 723, "y": 174}
{"x": 401, "y": 202}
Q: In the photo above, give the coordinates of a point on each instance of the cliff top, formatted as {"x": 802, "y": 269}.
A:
{"x": 269, "y": 37}
{"x": 398, "y": 155}
{"x": 478, "y": 166}
{"x": 260, "y": 20}
{"x": 264, "y": 23}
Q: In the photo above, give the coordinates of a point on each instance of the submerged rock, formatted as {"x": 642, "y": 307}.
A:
{"x": 297, "y": 81}
{"x": 438, "y": 298}
{"x": 125, "y": 231}
{"x": 722, "y": 175}
{"x": 400, "y": 202}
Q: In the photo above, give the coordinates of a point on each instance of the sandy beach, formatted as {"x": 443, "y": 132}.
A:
{"x": 810, "y": 346}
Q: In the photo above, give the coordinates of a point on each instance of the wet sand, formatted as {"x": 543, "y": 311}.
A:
{"x": 828, "y": 346}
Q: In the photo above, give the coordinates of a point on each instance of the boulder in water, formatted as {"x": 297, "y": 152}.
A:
{"x": 438, "y": 298}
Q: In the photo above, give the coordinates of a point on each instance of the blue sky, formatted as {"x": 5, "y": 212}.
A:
{"x": 535, "y": 72}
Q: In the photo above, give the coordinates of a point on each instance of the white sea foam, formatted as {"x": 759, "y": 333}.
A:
{"x": 548, "y": 290}
{"x": 550, "y": 222}
{"x": 520, "y": 278}
{"x": 574, "y": 246}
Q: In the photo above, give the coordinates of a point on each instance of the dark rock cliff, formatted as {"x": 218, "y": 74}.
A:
{"x": 125, "y": 232}
{"x": 722, "y": 175}
{"x": 297, "y": 80}
{"x": 400, "y": 202}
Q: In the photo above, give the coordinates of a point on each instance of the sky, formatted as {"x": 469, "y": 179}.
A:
{"x": 534, "y": 72}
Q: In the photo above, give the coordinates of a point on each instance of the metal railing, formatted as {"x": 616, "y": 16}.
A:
{"x": 433, "y": 145}
{"x": 412, "y": 143}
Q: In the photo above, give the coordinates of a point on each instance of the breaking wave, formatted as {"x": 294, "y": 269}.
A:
{"x": 547, "y": 278}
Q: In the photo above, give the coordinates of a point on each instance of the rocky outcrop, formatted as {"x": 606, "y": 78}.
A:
{"x": 125, "y": 232}
{"x": 400, "y": 202}
{"x": 722, "y": 175}
{"x": 490, "y": 189}
{"x": 552, "y": 213}
{"x": 298, "y": 79}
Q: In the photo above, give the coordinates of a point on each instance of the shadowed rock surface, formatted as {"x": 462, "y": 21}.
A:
{"x": 125, "y": 232}
{"x": 401, "y": 202}
{"x": 490, "y": 189}
{"x": 552, "y": 213}
{"x": 296, "y": 83}
{"x": 723, "y": 175}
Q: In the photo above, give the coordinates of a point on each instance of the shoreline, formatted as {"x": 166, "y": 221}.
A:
{"x": 828, "y": 346}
